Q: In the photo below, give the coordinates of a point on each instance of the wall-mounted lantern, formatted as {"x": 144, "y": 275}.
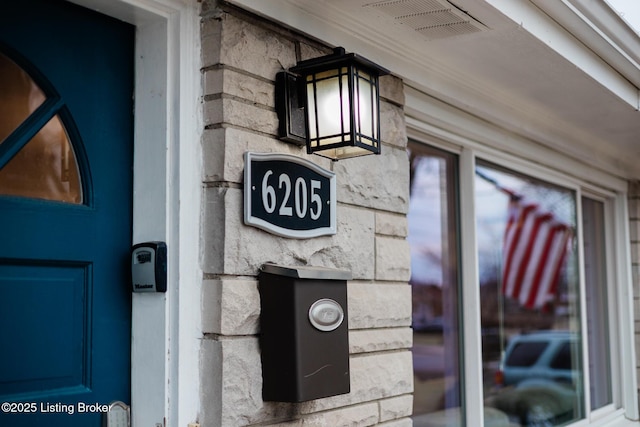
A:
{"x": 331, "y": 104}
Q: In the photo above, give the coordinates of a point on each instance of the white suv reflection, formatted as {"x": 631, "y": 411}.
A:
{"x": 539, "y": 373}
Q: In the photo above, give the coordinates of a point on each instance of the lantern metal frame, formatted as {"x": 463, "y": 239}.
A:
{"x": 293, "y": 109}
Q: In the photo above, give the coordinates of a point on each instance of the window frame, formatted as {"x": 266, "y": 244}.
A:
{"x": 452, "y": 173}
{"x": 607, "y": 199}
{"x": 612, "y": 191}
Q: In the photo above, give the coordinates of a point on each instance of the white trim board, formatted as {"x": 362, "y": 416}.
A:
{"x": 165, "y": 327}
{"x": 435, "y": 118}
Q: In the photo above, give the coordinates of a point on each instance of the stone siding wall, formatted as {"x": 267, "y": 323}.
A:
{"x": 241, "y": 55}
{"x": 634, "y": 232}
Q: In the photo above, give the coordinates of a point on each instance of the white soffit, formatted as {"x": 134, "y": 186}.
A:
{"x": 512, "y": 63}
{"x": 564, "y": 28}
{"x": 602, "y": 29}
{"x": 434, "y": 19}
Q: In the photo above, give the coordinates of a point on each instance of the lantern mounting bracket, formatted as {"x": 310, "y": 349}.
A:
{"x": 290, "y": 108}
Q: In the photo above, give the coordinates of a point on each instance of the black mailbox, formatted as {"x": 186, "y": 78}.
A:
{"x": 304, "y": 335}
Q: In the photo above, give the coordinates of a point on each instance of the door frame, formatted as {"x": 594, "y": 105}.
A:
{"x": 166, "y": 328}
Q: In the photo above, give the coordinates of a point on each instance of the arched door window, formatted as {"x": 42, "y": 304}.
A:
{"x": 37, "y": 158}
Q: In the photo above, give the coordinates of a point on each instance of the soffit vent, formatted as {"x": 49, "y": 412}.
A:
{"x": 434, "y": 19}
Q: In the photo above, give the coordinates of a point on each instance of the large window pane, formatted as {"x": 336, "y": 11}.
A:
{"x": 595, "y": 282}
{"x": 433, "y": 237}
{"x": 529, "y": 290}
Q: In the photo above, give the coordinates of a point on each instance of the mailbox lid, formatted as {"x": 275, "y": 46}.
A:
{"x": 307, "y": 272}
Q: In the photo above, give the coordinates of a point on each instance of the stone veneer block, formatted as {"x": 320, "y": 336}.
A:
{"x": 634, "y": 229}
{"x": 224, "y": 148}
{"x": 233, "y": 372}
{"x": 359, "y": 415}
{"x": 230, "y": 307}
{"x": 371, "y": 340}
{"x": 232, "y": 112}
{"x": 254, "y": 49}
{"x": 380, "y": 182}
{"x": 232, "y": 382}
{"x": 374, "y": 376}
{"x": 391, "y": 224}
{"x": 213, "y": 155}
{"x": 405, "y": 422}
{"x": 211, "y": 386}
{"x": 393, "y": 259}
{"x": 378, "y": 305}
{"x": 240, "y": 85}
{"x": 309, "y": 52}
{"x": 635, "y": 277}
{"x": 633, "y": 188}
{"x": 211, "y": 30}
{"x": 635, "y": 252}
{"x": 213, "y": 229}
{"x": 247, "y": 248}
{"x": 633, "y": 203}
{"x": 393, "y": 129}
{"x": 396, "y": 407}
{"x": 392, "y": 89}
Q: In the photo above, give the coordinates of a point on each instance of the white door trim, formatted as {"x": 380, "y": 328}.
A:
{"x": 166, "y": 328}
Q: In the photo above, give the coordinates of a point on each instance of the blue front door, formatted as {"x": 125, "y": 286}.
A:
{"x": 66, "y": 131}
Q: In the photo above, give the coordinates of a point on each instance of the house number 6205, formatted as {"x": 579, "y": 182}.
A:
{"x": 301, "y": 192}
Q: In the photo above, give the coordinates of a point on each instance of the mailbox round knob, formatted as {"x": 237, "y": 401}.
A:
{"x": 326, "y": 314}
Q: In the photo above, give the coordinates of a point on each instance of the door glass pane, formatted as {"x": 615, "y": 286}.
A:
{"x": 530, "y": 314}
{"x": 19, "y": 96}
{"x": 433, "y": 238}
{"x": 45, "y": 168}
{"x": 596, "y": 287}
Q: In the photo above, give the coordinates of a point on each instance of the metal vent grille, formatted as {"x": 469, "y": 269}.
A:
{"x": 434, "y": 19}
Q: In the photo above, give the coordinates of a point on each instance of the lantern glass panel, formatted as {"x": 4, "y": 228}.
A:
{"x": 328, "y": 103}
{"x": 344, "y": 152}
{"x": 367, "y": 120}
